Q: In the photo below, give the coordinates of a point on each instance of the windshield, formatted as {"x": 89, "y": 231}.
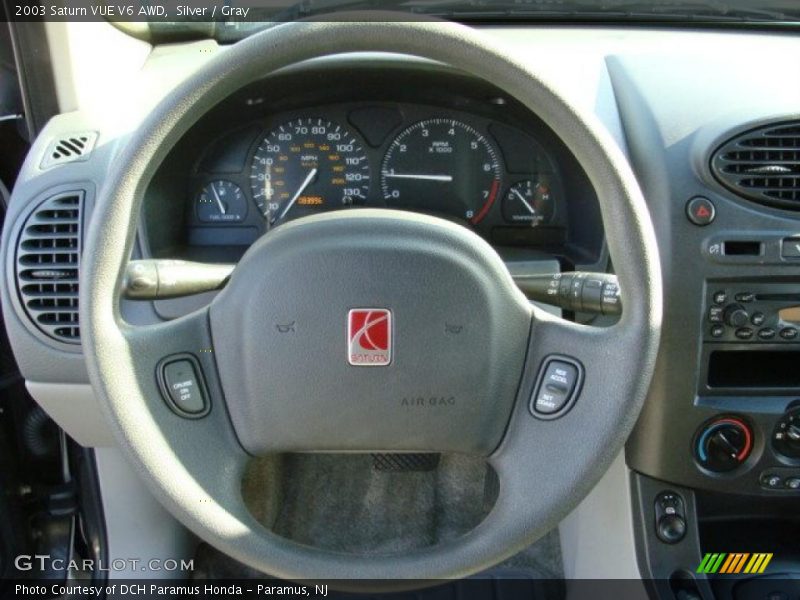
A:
{"x": 229, "y": 20}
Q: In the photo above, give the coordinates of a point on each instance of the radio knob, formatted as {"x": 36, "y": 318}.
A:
{"x": 736, "y": 316}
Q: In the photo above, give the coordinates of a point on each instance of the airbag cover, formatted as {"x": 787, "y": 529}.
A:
{"x": 460, "y": 331}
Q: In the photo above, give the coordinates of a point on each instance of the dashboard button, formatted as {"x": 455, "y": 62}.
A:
{"x": 745, "y": 297}
{"x": 715, "y": 314}
{"x": 788, "y": 333}
{"x": 670, "y": 517}
{"x": 744, "y": 333}
{"x": 557, "y": 386}
{"x": 767, "y": 333}
{"x": 720, "y": 297}
{"x": 700, "y": 211}
{"x": 769, "y": 480}
{"x": 790, "y": 248}
{"x": 793, "y": 483}
{"x": 182, "y": 386}
{"x": 671, "y": 529}
{"x": 758, "y": 319}
{"x": 717, "y": 331}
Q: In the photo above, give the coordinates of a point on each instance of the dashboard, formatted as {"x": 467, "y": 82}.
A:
{"x": 458, "y": 151}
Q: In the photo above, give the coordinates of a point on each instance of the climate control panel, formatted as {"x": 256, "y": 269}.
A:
{"x": 725, "y": 447}
{"x": 752, "y": 313}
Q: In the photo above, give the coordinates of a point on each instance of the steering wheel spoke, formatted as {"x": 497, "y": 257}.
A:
{"x": 541, "y": 447}
{"x": 175, "y": 361}
{"x": 160, "y": 410}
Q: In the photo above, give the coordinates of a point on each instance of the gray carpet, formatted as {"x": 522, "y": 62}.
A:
{"x": 340, "y": 502}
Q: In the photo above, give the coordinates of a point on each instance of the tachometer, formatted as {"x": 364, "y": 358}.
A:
{"x": 442, "y": 166}
{"x": 308, "y": 165}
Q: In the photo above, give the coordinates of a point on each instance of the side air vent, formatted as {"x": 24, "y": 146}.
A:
{"x": 48, "y": 257}
{"x": 763, "y": 165}
{"x": 70, "y": 148}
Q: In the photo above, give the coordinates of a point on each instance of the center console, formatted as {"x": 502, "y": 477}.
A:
{"x": 715, "y": 455}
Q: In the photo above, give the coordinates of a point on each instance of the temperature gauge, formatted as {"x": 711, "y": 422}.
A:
{"x": 220, "y": 202}
{"x": 528, "y": 203}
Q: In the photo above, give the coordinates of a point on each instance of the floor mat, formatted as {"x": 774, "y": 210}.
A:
{"x": 344, "y": 503}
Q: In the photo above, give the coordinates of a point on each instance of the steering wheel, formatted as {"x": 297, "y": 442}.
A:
{"x": 273, "y": 354}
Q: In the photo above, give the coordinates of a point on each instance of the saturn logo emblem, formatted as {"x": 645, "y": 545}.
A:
{"x": 369, "y": 337}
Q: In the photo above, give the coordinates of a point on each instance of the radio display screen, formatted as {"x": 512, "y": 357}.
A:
{"x": 754, "y": 369}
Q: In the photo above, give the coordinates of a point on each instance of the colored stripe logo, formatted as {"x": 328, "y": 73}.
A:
{"x": 733, "y": 563}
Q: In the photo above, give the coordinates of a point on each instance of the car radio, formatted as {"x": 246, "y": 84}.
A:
{"x": 755, "y": 313}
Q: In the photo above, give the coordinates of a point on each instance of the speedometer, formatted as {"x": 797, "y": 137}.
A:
{"x": 305, "y": 166}
{"x": 442, "y": 166}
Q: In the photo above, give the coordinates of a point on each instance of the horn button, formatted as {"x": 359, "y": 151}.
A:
{"x": 370, "y": 330}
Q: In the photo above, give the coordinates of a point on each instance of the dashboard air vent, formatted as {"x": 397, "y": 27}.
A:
{"x": 48, "y": 256}
{"x": 763, "y": 165}
{"x": 69, "y": 148}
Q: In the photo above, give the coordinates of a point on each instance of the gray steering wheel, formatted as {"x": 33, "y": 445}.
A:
{"x": 272, "y": 392}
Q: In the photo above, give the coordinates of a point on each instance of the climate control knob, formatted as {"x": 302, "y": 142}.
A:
{"x": 786, "y": 436}
{"x": 723, "y": 444}
{"x": 736, "y": 316}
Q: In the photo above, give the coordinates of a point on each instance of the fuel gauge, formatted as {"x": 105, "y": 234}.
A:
{"x": 220, "y": 201}
{"x": 529, "y": 203}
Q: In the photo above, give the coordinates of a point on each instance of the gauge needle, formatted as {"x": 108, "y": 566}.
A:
{"x": 525, "y": 202}
{"x": 311, "y": 174}
{"x": 445, "y": 178}
{"x": 219, "y": 202}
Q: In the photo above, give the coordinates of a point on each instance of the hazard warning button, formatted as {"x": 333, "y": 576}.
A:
{"x": 700, "y": 211}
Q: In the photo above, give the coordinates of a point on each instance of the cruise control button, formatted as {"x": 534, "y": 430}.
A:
{"x": 788, "y": 333}
{"x": 557, "y": 387}
{"x": 548, "y": 402}
{"x": 183, "y": 386}
{"x": 744, "y": 333}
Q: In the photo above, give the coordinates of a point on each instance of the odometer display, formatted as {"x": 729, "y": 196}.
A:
{"x": 442, "y": 166}
{"x": 305, "y": 166}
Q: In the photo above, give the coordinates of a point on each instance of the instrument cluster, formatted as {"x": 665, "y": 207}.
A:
{"x": 482, "y": 173}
